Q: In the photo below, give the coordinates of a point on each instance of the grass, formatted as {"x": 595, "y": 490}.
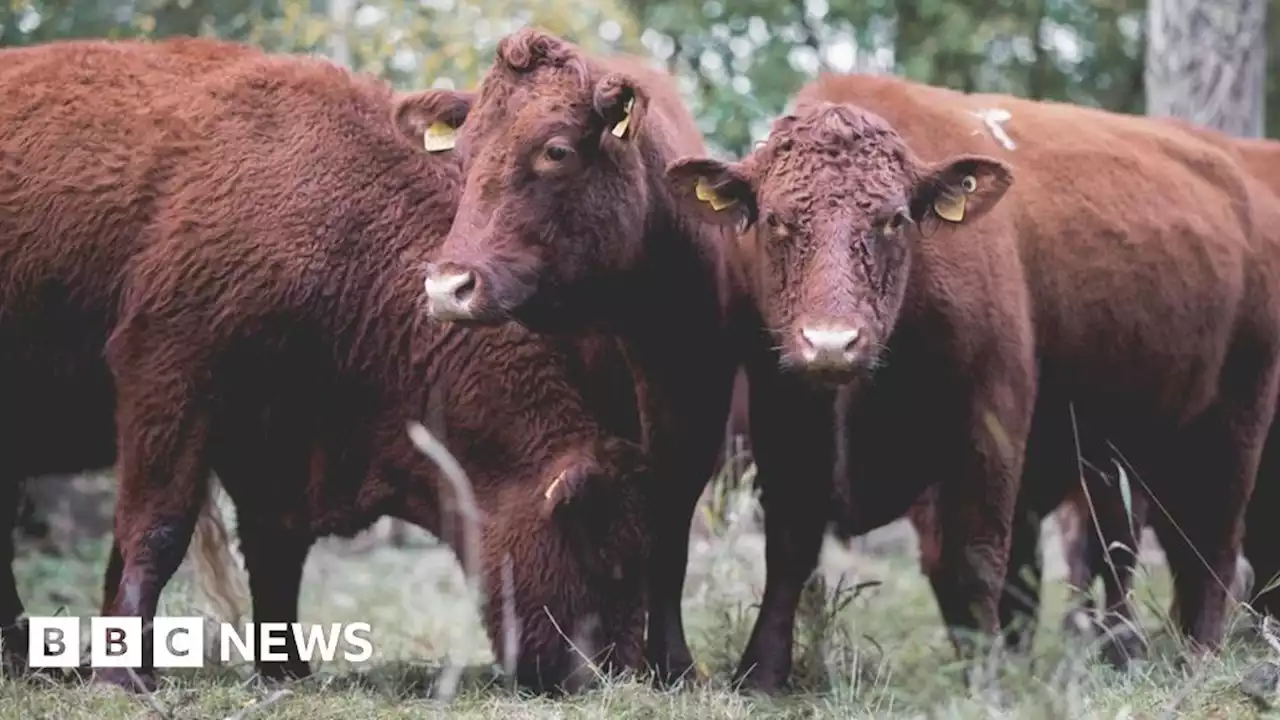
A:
{"x": 870, "y": 645}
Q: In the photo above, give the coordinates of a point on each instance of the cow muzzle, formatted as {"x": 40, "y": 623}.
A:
{"x": 451, "y": 292}
{"x": 830, "y": 352}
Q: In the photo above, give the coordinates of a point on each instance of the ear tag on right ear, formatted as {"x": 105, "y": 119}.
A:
{"x": 620, "y": 130}
{"x": 950, "y": 208}
{"x": 439, "y": 137}
{"x": 711, "y": 197}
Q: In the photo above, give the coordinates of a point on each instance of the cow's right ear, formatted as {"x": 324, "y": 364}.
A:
{"x": 718, "y": 192}
{"x": 430, "y": 118}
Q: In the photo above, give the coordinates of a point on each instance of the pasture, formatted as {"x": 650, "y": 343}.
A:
{"x": 877, "y": 650}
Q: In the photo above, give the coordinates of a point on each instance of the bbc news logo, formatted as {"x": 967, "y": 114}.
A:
{"x": 179, "y": 642}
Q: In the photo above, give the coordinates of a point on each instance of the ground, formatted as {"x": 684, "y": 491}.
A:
{"x": 882, "y": 653}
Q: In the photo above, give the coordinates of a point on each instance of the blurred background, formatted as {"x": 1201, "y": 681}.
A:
{"x": 738, "y": 63}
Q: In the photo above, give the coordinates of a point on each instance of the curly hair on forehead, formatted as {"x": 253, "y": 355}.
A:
{"x": 833, "y": 127}
{"x": 529, "y": 49}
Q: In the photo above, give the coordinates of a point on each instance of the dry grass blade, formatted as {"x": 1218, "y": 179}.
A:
{"x": 267, "y": 702}
{"x": 428, "y": 445}
{"x": 147, "y": 696}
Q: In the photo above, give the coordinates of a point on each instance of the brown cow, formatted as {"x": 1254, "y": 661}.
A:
{"x": 68, "y": 114}
{"x": 566, "y": 224}
{"x": 270, "y": 331}
{"x": 1128, "y": 281}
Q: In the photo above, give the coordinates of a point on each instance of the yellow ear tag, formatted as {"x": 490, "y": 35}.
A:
{"x": 709, "y": 196}
{"x": 620, "y": 129}
{"x": 554, "y": 484}
{"x": 952, "y": 208}
{"x": 439, "y": 137}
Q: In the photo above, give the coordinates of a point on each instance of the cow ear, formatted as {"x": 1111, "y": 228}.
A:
{"x": 620, "y": 104}
{"x": 718, "y": 192}
{"x": 960, "y": 189}
{"x": 431, "y": 118}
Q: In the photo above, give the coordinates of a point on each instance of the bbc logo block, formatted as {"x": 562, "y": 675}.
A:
{"x": 179, "y": 642}
{"x": 54, "y": 642}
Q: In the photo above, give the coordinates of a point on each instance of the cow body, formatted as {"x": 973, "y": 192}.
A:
{"x": 566, "y": 226}
{"x": 1126, "y": 293}
{"x": 73, "y": 202}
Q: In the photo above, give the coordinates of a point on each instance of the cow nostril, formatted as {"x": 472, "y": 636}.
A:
{"x": 466, "y": 288}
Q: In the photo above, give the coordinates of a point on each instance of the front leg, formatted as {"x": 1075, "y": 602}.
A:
{"x": 684, "y": 406}
{"x": 980, "y": 478}
{"x": 793, "y": 437}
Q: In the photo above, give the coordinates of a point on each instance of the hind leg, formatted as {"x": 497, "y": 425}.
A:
{"x": 13, "y": 631}
{"x": 1262, "y": 535}
{"x": 1108, "y": 544}
{"x": 274, "y": 541}
{"x": 164, "y": 471}
{"x": 1206, "y": 495}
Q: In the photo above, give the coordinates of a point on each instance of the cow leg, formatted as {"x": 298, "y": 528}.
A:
{"x": 1208, "y": 489}
{"x": 1116, "y": 562}
{"x": 684, "y": 423}
{"x": 980, "y": 482}
{"x": 1262, "y": 533}
{"x": 793, "y": 441}
{"x": 162, "y": 486}
{"x": 13, "y": 631}
{"x": 1019, "y": 606}
{"x": 274, "y": 558}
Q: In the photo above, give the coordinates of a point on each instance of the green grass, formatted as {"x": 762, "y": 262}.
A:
{"x": 878, "y": 653}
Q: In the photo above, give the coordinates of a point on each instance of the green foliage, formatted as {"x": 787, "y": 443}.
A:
{"x": 739, "y": 61}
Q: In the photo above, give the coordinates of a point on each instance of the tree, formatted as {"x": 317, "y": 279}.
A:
{"x": 1207, "y": 63}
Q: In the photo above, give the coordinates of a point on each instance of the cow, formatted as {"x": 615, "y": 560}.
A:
{"x": 566, "y": 226}
{"x": 1122, "y": 290}
{"x": 281, "y": 206}
{"x": 69, "y": 108}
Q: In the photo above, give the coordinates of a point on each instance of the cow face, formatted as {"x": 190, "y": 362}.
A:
{"x": 830, "y": 206}
{"x": 553, "y": 208}
{"x": 566, "y": 558}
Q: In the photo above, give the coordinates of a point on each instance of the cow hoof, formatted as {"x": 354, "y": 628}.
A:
{"x": 760, "y": 681}
{"x": 123, "y": 679}
{"x": 1122, "y": 644}
{"x": 667, "y": 675}
{"x": 276, "y": 672}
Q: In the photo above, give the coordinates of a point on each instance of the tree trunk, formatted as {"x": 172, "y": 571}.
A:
{"x": 1206, "y": 62}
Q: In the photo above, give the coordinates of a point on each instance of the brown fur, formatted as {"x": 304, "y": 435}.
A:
{"x": 69, "y": 110}
{"x": 566, "y": 228}
{"x": 1130, "y": 279}
{"x": 270, "y": 330}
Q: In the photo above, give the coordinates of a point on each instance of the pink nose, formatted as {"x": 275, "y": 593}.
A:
{"x": 829, "y": 346}
{"x": 450, "y": 294}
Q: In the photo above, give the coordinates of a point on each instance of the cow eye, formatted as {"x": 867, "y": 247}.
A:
{"x": 557, "y": 153}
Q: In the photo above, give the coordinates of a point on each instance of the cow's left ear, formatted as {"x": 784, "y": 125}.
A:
{"x": 718, "y": 192}
{"x": 620, "y": 105}
{"x": 431, "y": 118}
{"x": 960, "y": 189}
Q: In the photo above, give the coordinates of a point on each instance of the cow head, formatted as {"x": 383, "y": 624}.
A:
{"x": 553, "y": 208}
{"x": 831, "y": 205}
{"x": 566, "y": 558}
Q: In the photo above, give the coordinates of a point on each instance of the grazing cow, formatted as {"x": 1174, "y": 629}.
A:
{"x": 67, "y": 225}
{"x": 566, "y": 225}
{"x": 1130, "y": 280}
